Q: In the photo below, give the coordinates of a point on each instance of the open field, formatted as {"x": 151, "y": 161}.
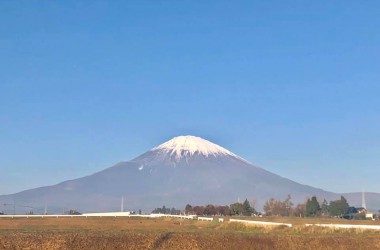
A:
{"x": 168, "y": 233}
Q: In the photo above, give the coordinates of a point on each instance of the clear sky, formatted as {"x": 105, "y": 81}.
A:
{"x": 292, "y": 86}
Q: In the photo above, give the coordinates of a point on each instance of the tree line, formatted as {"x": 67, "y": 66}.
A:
{"x": 237, "y": 208}
{"x": 165, "y": 210}
{"x": 311, "y": 208}
{"x": 273, "y": 207}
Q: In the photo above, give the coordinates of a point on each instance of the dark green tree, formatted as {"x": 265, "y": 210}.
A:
{"x": 247, "y": 209}
{"x": 338, "y": 207}
{"x": 325, "y": 207}
{"x": 312, "y": 207}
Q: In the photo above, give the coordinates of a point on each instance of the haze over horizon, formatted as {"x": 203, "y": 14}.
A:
{"x": 291, "y": 87}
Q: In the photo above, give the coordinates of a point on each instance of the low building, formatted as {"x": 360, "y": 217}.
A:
{"x": 361, "y": 210}
{"x": 369, "y": 215}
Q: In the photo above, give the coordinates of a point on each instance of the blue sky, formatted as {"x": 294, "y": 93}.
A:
{"x": 292, "y": 86}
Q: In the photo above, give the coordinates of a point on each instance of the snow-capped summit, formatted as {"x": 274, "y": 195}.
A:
{"x": 185, "y": 151}
{"x": 185, "y": 146}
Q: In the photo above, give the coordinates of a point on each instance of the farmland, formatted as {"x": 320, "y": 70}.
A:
{"x": 169, "y": 233}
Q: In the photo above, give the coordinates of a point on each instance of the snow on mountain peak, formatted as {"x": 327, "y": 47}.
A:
{"x": 181, "y": 146}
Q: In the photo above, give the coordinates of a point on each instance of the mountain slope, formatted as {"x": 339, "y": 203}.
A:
{"x": 186, "y": 169}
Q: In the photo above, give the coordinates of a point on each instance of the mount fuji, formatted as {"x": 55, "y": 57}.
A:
{"x": 183, "y": 170}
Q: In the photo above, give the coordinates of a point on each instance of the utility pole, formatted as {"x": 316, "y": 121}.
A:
{"x": 363, "y": 200}
{"x": 122, "y": 204}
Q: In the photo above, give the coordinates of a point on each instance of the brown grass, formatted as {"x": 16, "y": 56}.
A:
{"x": 142, "y": 233}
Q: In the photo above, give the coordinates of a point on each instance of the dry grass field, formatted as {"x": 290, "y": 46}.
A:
{"x": 167, "y": 233}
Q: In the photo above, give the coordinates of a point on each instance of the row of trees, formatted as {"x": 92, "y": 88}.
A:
{"x": 311, "y": 208}
{"x": 272, "y": 207}
{"x": 237, "y": 208}
{"x": 335, "y": 208}
{"x": 165, "y": 210}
